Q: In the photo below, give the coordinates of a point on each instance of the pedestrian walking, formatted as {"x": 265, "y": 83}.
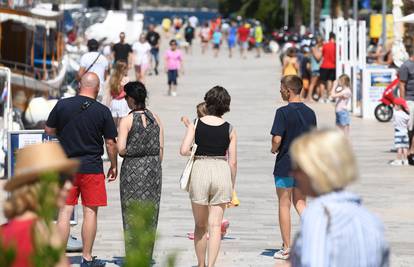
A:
{"x": 122, "y": 50}
{"x": 141, "y": 57}
{"x": 401, "y": 119}
{"x": 328, "y": 66}
{"x": 141, "y": 144}
{"x": 82, "y": 126}
{"x": 95, "y": 61}
{"x": 291, "y": 63}
{"x": 26, "y": 230}
{"x": 290, "y": 122}
{"x": 342, "y": 94}
{"x": 212, "y": 178}
{"x": 217, "y": 38}
{"x": 336, "y": 230}
{"x": 242, "y": 36}
{"x": 406, "y": 74}
{"x": 154, "y": 39}
{"x": 173, "y": 64}
{"x": 305, "y": 71}
{"x": 316, "y": 56}
{"x": 189, "y": 33}
{"x": 118, "y": 105}
{"x": 205, "y": 37}
{"x": 258, "y": 38}
{"x": 232, "y": 38}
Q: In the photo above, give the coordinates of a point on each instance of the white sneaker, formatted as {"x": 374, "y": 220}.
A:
{"x": 174, "y": 93}
{"x": 282, "y": 254}
{"x": 405, "y": 162}
{"x": 396, "y": 162}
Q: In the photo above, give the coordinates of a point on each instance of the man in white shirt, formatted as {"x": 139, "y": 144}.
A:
{"x": 94, "y": 61}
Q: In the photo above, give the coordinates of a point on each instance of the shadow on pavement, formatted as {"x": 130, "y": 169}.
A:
{"x": 115, "y": 260}
{"x": 269, "y": 252}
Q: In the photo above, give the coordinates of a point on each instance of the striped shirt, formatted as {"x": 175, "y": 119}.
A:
{"x": 336, "y": 230}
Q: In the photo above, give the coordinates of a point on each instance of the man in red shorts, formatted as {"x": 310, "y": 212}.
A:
{"x": 328, "y": 66}
{"x": 82, "y": 125}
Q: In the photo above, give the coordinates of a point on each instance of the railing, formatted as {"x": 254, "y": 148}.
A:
{"x": 32, "y": 71}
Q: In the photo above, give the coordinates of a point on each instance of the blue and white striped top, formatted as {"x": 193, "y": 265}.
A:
{"x": 336, "y": 230}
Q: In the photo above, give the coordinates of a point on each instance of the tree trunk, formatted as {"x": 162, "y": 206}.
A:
{"x": 346, "y": 7}
{"x": 297, "y": 14}
{"x": 318, "y": 9}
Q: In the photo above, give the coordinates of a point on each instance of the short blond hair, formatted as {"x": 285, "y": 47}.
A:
{"x": 326, "y": 157}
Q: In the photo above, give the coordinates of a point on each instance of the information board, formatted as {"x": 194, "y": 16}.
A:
{"x": 375, "y": 80}
{"x": 19, "y": 139}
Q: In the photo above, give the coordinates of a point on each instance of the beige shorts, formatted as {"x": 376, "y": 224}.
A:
{"x": 210, "y": 182}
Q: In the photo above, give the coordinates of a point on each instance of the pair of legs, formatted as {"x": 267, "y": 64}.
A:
{"x": 344, "y": 128}
{"x": 402, "y": 153}
{"x": 313, "y": 85}
{"x": 325, "y": 89}
{"x": 140, "y": 71}
{"x": 204, "y": 46}
{"x": 216, "y": 50}
{"x": 242, "y": 51}
{"x": 89, "y": 226}
{"x": 286, "y": 196}
{"x": 258, "y": 49}
{"x": 155, "y": 59}
{"x": 172, "y": 82}
{"x": 207, "y": 220}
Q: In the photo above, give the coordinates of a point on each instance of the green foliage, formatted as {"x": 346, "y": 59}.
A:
{"x": 7, "y": 255}
{"x": 47, "y": 253}
{"x": 139, "y": 235}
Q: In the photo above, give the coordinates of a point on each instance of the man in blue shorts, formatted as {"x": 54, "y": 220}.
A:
{"x": 290, "y": 122}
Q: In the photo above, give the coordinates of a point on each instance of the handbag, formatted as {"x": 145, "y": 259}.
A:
{"x": 185, "y": 176}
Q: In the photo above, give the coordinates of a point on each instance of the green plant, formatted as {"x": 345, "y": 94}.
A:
{"x": 140, "y": 235}
{"x": 48, "y": 248}
{"x": 7, "y": 255}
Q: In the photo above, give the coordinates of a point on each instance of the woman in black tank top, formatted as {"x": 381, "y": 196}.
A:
{"x": 213, "y": 174}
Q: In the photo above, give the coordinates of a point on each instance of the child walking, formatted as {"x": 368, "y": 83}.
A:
{"x": 401, "y": 118}
{"x": 342, "y": 94}
{"x": 173, "y": 64}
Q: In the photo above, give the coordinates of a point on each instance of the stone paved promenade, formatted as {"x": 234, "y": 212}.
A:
{"x": 254, "y": 233}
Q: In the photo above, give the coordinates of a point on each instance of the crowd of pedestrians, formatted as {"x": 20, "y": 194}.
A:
{"x": 307, "y": 163}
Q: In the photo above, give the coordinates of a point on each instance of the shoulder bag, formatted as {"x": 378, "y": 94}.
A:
{"x": 185, "y": 176}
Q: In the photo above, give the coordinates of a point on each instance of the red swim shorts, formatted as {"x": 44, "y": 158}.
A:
{"x": 91, "y": 187}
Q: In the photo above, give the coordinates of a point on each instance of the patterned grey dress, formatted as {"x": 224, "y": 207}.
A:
{"x": 141, "y": 168}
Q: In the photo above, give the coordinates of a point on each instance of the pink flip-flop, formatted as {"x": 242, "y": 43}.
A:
{"x": 225, "y": 224}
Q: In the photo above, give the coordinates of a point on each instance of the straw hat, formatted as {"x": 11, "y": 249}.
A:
{"x": 33, "y": 160}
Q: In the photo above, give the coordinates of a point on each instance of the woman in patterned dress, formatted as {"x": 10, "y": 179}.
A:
{"x": 140, "y": 143}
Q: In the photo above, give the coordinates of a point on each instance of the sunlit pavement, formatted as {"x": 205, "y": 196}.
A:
{"x": 254, "y": 233}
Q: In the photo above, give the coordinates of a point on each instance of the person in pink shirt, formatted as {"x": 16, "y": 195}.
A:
{"x": 173, "y": 64}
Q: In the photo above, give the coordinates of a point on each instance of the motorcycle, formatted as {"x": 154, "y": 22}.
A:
{"x": 384, "y": 111}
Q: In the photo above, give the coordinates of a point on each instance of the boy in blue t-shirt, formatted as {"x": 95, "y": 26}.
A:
{"x": 290, "y": 122}
{"x": 217, "y": 36}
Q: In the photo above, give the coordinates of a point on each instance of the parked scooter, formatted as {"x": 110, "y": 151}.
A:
{"x": 384, "y": 111}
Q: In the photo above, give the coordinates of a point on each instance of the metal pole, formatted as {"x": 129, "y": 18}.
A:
{"x": 355, "y": 10}
{"x": 312, "y": 17}
{"x": 384, "y": 22}
{"x": 286, "y": 4}
{"x": 134, "y": 7}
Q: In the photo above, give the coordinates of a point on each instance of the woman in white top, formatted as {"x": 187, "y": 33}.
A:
{"x": 141, "y": 55}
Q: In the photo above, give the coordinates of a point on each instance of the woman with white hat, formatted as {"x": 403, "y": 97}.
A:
{"x": 26, "y": 232}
